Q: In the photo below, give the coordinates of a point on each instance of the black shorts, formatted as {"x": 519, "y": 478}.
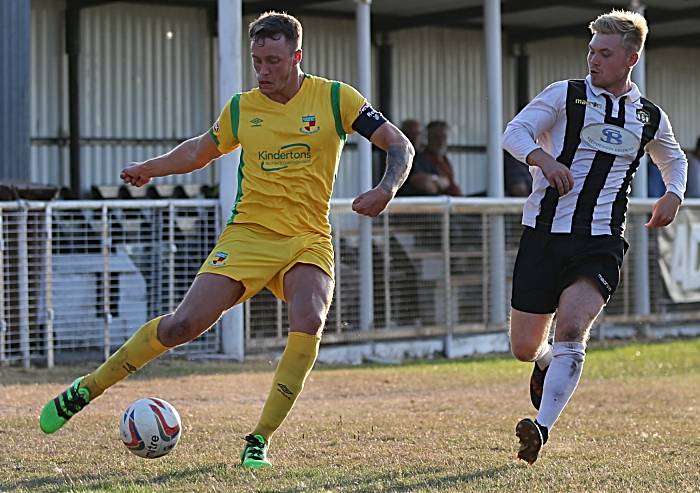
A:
{"x": 547, "y": 263}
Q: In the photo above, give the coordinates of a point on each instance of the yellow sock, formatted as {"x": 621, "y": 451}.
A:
{"x": 297, "y": 360}
{"x": 134, "y": 354}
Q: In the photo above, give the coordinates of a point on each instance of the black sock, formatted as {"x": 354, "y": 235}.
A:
{"x": 544, "y": 431}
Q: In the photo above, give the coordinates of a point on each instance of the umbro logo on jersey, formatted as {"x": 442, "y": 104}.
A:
{"x": 643, "y": 116}
{"x": 309, "y": 124}
{"x": 256, "y": 122}
{"x": 588, "y": 103}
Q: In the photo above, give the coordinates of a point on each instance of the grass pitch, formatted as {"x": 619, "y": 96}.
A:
{"x": 439, "y": 426}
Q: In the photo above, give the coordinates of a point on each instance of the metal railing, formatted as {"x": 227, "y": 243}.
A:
{"x": 83, "y": 276}
{"x": 433, "y": 273}
{"x": 80, "y": 277}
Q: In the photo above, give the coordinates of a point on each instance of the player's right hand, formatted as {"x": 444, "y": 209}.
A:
{"x": 135, "y": 174}
{"x": 558, "y": 176}
{"x": 373, "y": 202}
{"x": 664, "y": 211}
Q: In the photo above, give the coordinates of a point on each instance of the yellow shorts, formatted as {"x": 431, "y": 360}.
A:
{"x": 260, "y": 258}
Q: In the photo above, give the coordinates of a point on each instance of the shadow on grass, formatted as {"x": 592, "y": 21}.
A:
{"x": 94, "y": 482}
{"x": 419, "y": 478}
{"x": 432, "y": 478}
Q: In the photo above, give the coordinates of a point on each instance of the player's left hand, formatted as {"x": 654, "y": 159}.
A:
{"x": 664, "y": 211}
{"x": 372, "y": 202}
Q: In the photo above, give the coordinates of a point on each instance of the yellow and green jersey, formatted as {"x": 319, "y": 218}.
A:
{"x": 290, "y": 153}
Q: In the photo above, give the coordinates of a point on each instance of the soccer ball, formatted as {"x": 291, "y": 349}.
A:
{"x": 150, "y": 428}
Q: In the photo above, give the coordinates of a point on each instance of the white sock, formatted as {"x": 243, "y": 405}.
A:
{"x": 562, "y": 378}
{"x": 544, "y": 359}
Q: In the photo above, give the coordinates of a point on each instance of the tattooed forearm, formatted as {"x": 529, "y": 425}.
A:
{"x": 398, "y": 163}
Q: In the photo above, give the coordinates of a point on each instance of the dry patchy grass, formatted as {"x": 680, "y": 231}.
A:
{"x": 422, "y": 427}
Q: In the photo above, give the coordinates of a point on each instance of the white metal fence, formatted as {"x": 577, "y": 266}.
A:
{"x": 80, "y": 277}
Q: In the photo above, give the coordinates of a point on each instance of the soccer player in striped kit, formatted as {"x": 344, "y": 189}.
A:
{"x": 583, "y": 140}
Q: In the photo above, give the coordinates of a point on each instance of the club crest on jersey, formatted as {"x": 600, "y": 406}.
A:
{"x": 219, "y": 259}
{"x": 611, "y": 139}
{"x": 309, "y": 124}
{"x": 643, "y": 116}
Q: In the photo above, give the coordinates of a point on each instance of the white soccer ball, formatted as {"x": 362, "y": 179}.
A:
{"x": 150, "y": 428}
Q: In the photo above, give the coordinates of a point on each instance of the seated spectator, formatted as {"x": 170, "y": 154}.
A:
{"x": 518, "y": 180}
{"x": 432, "y": 172}
{"x": 692, "y": 189}
{"x": 432, "y": 175}
{"x": 413, "y": 129}
{"x": 656, "y": 186}
{"x": 655, "y": 183}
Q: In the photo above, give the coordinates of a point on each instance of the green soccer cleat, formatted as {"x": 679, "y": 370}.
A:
{"x": 255, "y": 453}
{"x": 63, "y": 407}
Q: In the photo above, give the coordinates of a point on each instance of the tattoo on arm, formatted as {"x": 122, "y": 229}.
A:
{"x": 398, "y": 164}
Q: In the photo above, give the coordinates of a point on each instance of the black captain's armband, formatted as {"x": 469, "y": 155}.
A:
{"x": 368, "y": 121}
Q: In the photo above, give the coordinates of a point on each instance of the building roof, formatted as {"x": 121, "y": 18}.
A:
{"x": 671, "y": 22}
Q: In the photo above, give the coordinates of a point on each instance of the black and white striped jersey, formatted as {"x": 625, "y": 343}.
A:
{"x": 601, "y": 139}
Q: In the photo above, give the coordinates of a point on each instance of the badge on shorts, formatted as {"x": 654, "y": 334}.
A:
{"x": 611, "y": 139}
{"x": 219, "y": 260}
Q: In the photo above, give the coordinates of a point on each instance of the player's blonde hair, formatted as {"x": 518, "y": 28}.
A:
{"x": 631, "y": 25}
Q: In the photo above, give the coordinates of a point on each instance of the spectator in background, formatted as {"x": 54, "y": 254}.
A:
{"x": 692, "y": 189}
{"x": 655, "y": 183}
{"x": 413, "y": 129}
{"x": 432, "y": 175}
{"x": 432, "y": 172}
{"x": 656, "y": 186}
{"x": 518, "y": 180}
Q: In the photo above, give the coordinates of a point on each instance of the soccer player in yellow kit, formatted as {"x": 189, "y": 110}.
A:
{"x": 292, "y": 129}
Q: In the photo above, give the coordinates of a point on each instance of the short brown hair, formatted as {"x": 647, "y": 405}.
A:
{"x": 272, "y": 25}
{"x": 438, "y": 125}
{"x": 631, "y": 25}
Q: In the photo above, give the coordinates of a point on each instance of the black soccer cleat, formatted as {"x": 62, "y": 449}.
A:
{"x": 537, "y": 385}
{"x": 532, "y": 436}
